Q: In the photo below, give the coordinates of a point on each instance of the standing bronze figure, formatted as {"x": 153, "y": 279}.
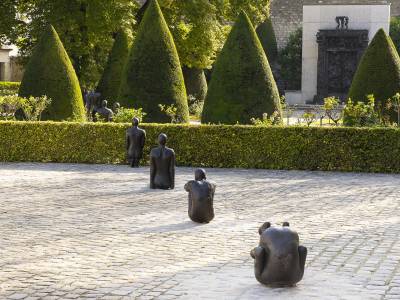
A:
{"x": 279, "y": 260}
{"x": 201, "y": 198}
{"x": 162, "y": 165}
{"x": 135, "y": 140}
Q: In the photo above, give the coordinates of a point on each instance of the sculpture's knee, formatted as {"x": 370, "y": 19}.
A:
{"x": 258, "y": 254}
{"x": 264, "y": 227}
{"x": 302, "y": 257}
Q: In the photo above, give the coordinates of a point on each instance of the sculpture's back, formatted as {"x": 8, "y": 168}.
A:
{"x": 279, "y": 259}
{"x": 201, "y": 194}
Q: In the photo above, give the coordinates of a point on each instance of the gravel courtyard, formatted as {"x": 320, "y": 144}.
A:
{"x": 98, "y": 232}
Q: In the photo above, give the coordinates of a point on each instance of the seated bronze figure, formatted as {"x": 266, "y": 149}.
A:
{"x": 279, "y": 260}
{"x": 201, "y": 197}
{"x": 162, "y": 165}
{"x": 135, "y": 140}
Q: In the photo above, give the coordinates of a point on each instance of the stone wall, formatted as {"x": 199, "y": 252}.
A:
{"x": 287, "y": 15}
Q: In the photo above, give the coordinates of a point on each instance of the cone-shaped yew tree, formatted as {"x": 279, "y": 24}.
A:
{"x": 50, "y": 72}
{"x": 242, "y": 86}
{"x": 153, "y": 74}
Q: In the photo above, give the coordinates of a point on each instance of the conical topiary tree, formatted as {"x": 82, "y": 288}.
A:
{"x": 110, "y": 81}
{"x": 242, "y": 85}
{"x": 266, "y": 34}
{"x": 153, "y": 74}
{"x": 378, "y": 72}
{"x": 50, "y": 72}
{"x": 195, "y": 82}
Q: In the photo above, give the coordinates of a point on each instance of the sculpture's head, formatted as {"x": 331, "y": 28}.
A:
{"x": 104, "y": 103}
{"x": 135, "y": 121}
{"x": 200, "y": 174}
{"x": 116, "y": 106}
{"x": 162, "y": 139}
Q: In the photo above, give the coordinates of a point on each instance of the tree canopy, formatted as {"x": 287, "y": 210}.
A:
{"x": 86, "y": 28}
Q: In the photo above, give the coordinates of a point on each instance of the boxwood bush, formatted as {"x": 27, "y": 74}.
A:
{"x": 339, "y": 149}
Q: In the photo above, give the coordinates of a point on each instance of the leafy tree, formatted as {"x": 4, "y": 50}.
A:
{"x": 111, "y": 79}
{"x": 50, "y": 73}
{"x": 86, "y": 28}
{"x": 395, "y": 32}
{"x": 378, "y": 73}
{"x": 242, "y": 86}
{"x": 266, "y": 34}
{"x": 290, "y": 59}
{"x": 153, "y": 75}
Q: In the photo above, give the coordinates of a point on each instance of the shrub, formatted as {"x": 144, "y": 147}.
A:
{"x": 153, "y": 74}
{"x": 30, "y": 108}
{"x": 360, "y": 114}
{"x": 266, "y": 34}
{"x": 242, "y": 85}
{"x": 9, "y": 88}
{"x": 125, "y": 115}
{"x": 314, "y": 148}
{"x": 110, "y": 81}
{"x": 50, "y": 72}
{"x": 196, "y": 84}
{"x": 333, "y": 110}
{"x": 290, "y": 60}
{"x": 378, "y": 73}
{"x": 395, "y": 32}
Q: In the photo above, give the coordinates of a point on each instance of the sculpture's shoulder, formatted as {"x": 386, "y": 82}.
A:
{"x": 189, "y": 185}
{"x": 155, "y": 152}
{"x": 170, "y": 151}
{"x": 210, "y": 184}
{"x": 142, "y": 131}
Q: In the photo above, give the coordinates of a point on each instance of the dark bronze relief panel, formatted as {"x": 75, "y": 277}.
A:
{"x": 339, "y": 52}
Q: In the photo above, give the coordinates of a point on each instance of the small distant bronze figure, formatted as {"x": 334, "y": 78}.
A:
{"x": 135, "y": 140}
{"x": 116, "y": 107}
{"x": 201, "y": 198}
{"x": 279, "y": 260}
{"x": 104, "y": 112}
{"x": 162, "y": 165}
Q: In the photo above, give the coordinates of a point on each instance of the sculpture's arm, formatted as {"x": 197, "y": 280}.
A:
{"x": 260, "y": 258}
{"x": 143, "y": 139}
{"x": 152, "y": 172}
{"x": 127, "y": 142}
{"x": 172, "y": 170}
{"x": 302, "y": 257}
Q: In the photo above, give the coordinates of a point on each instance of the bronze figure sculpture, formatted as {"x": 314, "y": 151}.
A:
{"x": 135, "y": 140}
{"x": 162, "y": 165}
{"x": 201, "y": 197}
{"x": 279, "y": 260}
{"x": 104, "y": 112}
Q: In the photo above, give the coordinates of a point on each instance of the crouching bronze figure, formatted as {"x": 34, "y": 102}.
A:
{"x": 201, "y": 198}
{"x": 279, "y": 260}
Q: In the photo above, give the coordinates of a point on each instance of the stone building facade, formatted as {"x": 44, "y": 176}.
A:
{"x": 287, "y": 15}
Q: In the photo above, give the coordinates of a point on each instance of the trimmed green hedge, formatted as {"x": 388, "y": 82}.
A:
{"x": 7, "y": 87}
{"x": 339, "y": 149}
